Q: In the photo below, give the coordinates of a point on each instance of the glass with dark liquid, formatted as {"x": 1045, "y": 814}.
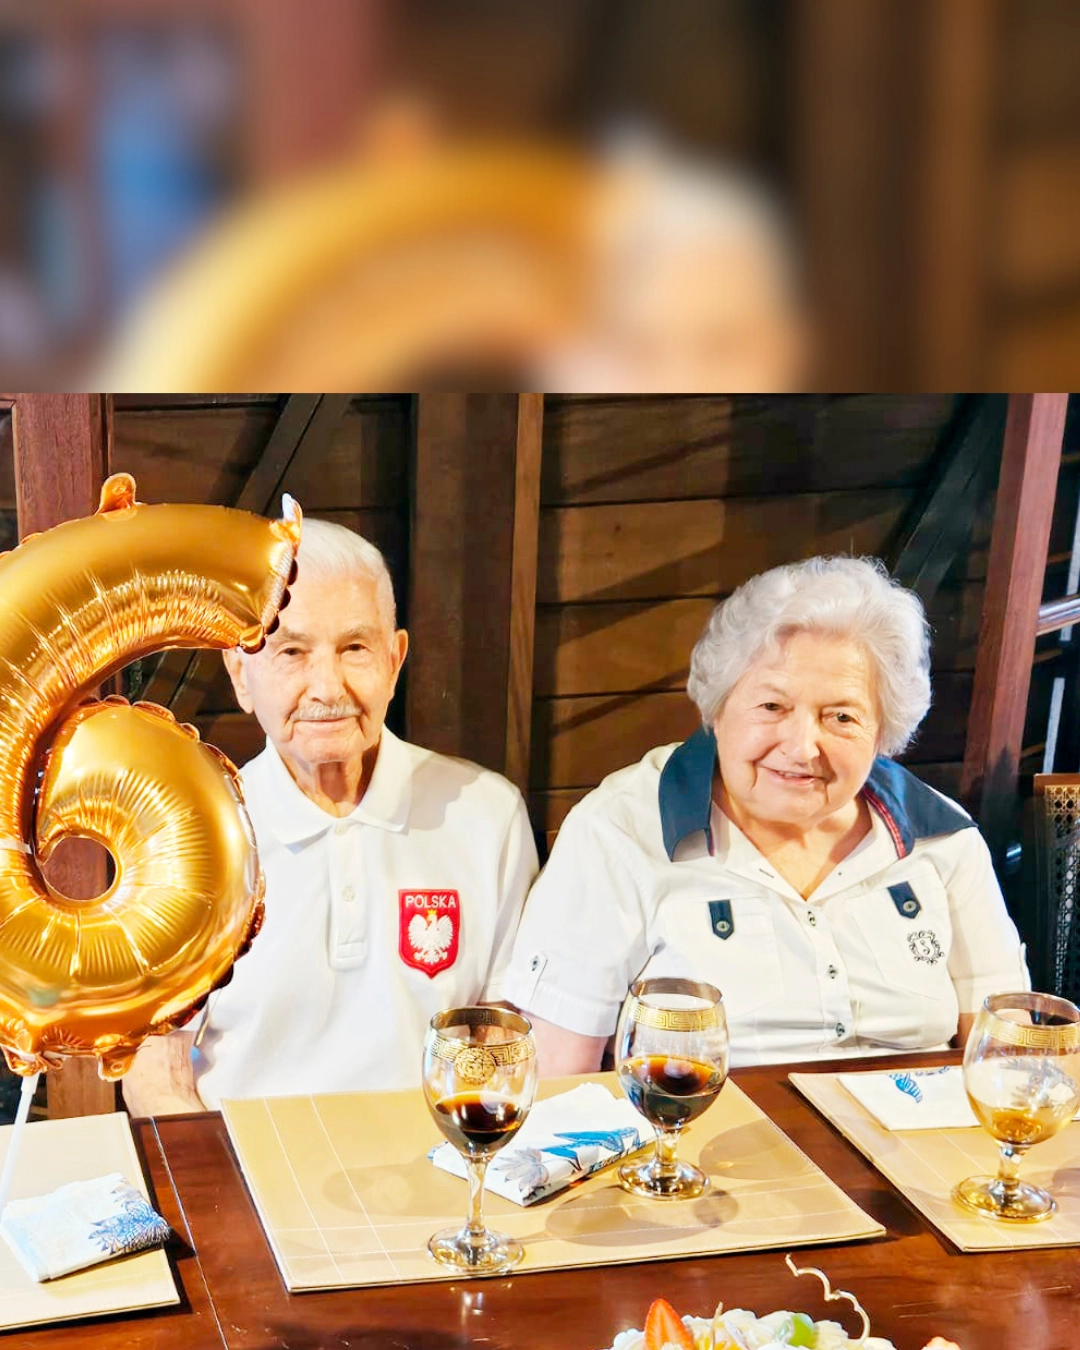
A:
{"x": 479, "y": 1083}
{"x": 1022, "y": 1077}
{"x": 671, "y": 1049}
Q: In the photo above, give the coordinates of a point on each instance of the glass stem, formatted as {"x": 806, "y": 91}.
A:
{"x": 475, "y": 1233}
{"x": 1009, "y": 1167}
{"x": 667, "y": 1144}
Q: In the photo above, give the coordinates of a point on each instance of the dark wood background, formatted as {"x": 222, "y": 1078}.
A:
{"x": 650, "y": 509}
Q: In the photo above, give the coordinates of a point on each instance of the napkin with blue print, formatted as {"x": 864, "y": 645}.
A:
{"x": 564, "y": 1138}
{"x": 913, "y": 1099}
{"x": 80, "y": 1225}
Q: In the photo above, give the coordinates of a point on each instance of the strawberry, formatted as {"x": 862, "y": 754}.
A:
{"x": 664, "y": 1329}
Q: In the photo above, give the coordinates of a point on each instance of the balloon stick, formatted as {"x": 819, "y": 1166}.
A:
{"x": 26, "y": 1096}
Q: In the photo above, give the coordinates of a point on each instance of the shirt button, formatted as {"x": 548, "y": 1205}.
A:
{"x": 811, "y": 919}
{"x": 340, "y": 829}
{"x": 534, "y": 964}
{"x": 832, "y": 972}
{"x": 841, "y": 1031}
{"x": 347, "y": 893}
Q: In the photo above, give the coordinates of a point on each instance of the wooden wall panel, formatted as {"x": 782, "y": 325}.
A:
{"x": 190, "y": 455}
{"x": 206, "y": 454}
{"x": 618, "y": 449}
{"x": 616, "y": 647}
{"x": 577, "y": 741}
{"x": 658, "y": 550}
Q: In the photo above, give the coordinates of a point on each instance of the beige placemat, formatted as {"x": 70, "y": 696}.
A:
{"x": 347, "y": 1196}
{"x": 52, "y": 1153}
{"x": 924, "y": 1165}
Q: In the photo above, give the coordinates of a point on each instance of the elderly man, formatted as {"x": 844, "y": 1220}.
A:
{"x": 395, "y": 876}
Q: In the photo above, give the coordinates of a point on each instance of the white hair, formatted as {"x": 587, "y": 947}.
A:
{"x": 853, "y": 598}
{"x": 331, "y": 550}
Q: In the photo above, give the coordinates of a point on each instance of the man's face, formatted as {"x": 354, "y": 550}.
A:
{"x": 321, "y": 685}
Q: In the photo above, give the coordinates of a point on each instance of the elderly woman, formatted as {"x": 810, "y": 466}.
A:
{"x": 840, "y": 905}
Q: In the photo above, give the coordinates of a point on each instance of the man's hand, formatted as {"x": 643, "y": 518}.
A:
{"x": 161, "y": 1081}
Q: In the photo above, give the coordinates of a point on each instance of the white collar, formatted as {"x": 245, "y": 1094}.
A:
{"x": 294, "y": 817}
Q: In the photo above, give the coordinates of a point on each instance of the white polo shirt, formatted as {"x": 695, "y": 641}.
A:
{"x": 648, "y": 878}
{"x": 374, "y": 922}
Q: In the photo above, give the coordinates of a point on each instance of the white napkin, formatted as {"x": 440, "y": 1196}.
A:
{"x": 564, "y": 1138}
{"x": 79, "y": 1225}
{"x": 913, "y": 1099}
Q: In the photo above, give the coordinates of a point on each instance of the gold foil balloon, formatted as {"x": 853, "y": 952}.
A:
{"x": 78, "y": 602}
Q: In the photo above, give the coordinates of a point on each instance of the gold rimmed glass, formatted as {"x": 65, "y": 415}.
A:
{"x": 479, "y": 1083}
{"x": 1022, "y": 1077}
{"x": 671, "y": 1051}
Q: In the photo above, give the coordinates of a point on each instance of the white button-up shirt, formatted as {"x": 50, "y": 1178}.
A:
{"x": 374, "y": 922}
{"x": 647, "y": 877}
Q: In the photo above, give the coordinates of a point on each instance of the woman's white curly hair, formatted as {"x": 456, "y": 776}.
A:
{"x": 853, "y": 598}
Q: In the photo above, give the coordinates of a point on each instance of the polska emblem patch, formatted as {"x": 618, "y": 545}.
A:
{"x": 925, "y": 946}
{"x": 429, "y": 929}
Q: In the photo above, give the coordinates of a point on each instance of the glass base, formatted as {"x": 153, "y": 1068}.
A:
{"x": 1018, "y": 1202}
{"x": 491, "y": 1255}
{"x": 683, "y": 1182}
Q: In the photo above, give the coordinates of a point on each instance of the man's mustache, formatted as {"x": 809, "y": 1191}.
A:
{"x": 325, "y": 712}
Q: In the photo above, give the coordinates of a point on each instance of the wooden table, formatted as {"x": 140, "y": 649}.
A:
{"x": 912, "y": 1283}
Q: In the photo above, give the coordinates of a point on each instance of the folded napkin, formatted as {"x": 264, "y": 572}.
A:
{"x": 913, "y": 1099}
{"x": 565, "y": 1138}
{"x": 79, "y": 1225}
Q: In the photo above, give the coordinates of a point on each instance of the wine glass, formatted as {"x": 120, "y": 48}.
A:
{"x": 671, "y": 1050}
{"x": 479, "y": 1083}
{"x": 1022, "y": 1077}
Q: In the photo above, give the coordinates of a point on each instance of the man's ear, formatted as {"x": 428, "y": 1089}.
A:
{"x": 235, "y": 664}
{"x": 399, "y": 647}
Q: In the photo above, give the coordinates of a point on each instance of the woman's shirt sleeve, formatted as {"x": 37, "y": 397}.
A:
{"x": 583, "y": 937}
{"x": 987, "y": 956}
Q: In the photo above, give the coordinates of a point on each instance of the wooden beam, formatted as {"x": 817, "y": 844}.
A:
{"x": 1027, "y": 486}
{"x": 530, "y": 433}
{"x": 61, "y": 447}
{"x": 470, "y": 513}
{"x": 939, "y": 523}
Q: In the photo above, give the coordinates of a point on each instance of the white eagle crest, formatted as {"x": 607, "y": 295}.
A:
{"x": 430, "y": 937}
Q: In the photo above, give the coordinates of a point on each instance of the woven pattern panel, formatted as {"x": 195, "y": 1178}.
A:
{"x": 1059, "y": 846}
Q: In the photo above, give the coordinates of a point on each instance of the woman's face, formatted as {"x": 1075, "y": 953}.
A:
{"x": 798, "y": 733}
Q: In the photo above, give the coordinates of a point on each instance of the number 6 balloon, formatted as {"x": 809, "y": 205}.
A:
{"x": 78, "y": 602}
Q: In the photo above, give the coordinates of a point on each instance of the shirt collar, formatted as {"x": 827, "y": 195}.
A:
{"x": 909, "y": 809}
{"x": 294, "y": 817}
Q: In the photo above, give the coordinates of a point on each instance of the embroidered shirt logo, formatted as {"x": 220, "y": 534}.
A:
{"x": 429, "y": 929}
{"x": 925, "y": 946}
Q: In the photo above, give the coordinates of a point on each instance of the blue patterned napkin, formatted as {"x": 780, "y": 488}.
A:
{"x": 565, "y": 1138}
{"x": 80, "y": 1225}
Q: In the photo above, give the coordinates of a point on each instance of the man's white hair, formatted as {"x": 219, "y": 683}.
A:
{"x": 331, "y": 550}
{"x": 852, "y": 598}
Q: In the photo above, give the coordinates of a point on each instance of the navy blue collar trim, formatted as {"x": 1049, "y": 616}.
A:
{"x": 686, "y": 789}
{"x": 908, "y": 807}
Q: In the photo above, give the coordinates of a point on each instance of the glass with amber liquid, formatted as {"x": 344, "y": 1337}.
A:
{"x": 671, "y": 1051}
{"x": 1022, "y": 1077}
{"x": 479, "y": 1083}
